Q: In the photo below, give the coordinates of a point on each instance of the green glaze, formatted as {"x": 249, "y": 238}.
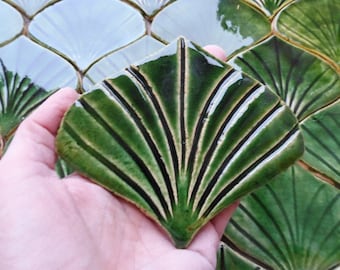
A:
{"x": 313, "y": 25}
{"x": 18, "y": 97}
{"x": 181, "y": 135}
{"x": 302, "y": 80}
{"x": 296, "y": 222}
{"x": 268, "y": 7}
{"x": 228, "y": 258}
{"x": 321, "y": 133}
{"x": 291, "y": 46}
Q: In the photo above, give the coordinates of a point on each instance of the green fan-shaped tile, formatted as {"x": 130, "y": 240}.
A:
{"x": 291, "y": 223}
{"x": 313, "y": 24}
{"x": 228, "y": 259}
{"x": 321, "y": 133}
{"x": 84, "y": 32}
{"x": 181, "y": 136}
{"x": 268, "y": 7}
{"x": 11, "y": 22}
{"x": 228, "y": 23}
{"x": 30, "y": 7}
{"x": 26, "y": 80}
{"x": 120, "y": 59}
{"x": 18, "y": 97}
{"x": 303, "y": 81}
{"x": 150, "y": 6}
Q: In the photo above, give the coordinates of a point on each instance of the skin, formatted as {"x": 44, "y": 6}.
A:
{"x": 73, "y": 224}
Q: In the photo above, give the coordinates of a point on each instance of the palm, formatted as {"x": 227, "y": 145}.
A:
{"x": 120, "y": 231}
{"x": 46, "y": 223}
{"x": 82, "y": 226}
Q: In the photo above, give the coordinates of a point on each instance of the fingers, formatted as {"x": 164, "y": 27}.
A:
{"x": 34, "y": 139}
{"x": 221, "y": 220}
{"x": 216, "y": 51}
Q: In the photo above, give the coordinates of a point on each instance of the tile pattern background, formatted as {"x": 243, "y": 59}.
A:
{"x": 291, "y": 46}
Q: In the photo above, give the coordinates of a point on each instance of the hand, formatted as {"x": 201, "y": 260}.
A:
{"x": 46, "y": 223}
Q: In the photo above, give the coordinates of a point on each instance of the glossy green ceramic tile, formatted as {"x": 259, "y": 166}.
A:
{"x": 228, "y": 23}
{"x": 11, "y": 23}
{"x": 303, "y": 81}
{"x": 290, "y": 45}
{"x": 228, "y": 259}
{"x": 322, "y": 137}
{"x": 26, "y": 80}
{"x": 18, "y": 97}
{"x": 268, "y": 7}
{"x": 295, "y": 219}
{"x": 313, "y": 24}
{"x": 182, "y": 136}
{"x": 84, "y": 34}
{"x": 120, "y": 59}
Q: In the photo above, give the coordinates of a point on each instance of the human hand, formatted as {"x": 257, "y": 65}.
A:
{"x": 46, "y": 223}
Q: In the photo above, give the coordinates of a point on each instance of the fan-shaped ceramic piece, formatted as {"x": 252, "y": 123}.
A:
{"x": 313, "y": 25}
{"x": 26, "y": 81}
{"x": 18, "y": 97}
{"x": 150, "y": 6}
{"x": 32, "y": 6}
{"x": 268, "y": 7}
{"x": 181, "y": 136}
{"x": 303, "y": 81}
{"x": 78, "y": 32}
{"x": 118, "y": 60}
{"x": 11, "y": 22}
{"x": 293, "y": 215}
{"x": 30, "y": 60}
{"x": 321, "y": 131}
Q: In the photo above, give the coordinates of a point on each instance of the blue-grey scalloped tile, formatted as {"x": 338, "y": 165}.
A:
{"x": 121, "y": 59}
{"x": 11, "y": 22}
{"x": 30, "y": 7}
{"x": 84, "y": 32}
{"x": 43, "y": 67}
{"x": 150, "y": 6}
{"x": 231, "y": 24}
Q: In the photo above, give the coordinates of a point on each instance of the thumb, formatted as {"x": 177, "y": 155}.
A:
{"x": 34, "y": 138}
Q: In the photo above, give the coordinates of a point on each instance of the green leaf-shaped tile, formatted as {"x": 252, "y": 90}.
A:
{"x": 291, "y": 223}
{"x": 181, "y": 136}
{"x": 303, "y": 81}
{"x": 229, "y": 259}
{"x": 18, "y": 97}
{"x": 321, "y": 132}
{"x": 268, "y": 7}
{"x": 314, "y": 25}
